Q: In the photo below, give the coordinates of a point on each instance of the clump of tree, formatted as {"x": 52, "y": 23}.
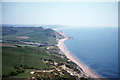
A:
{"x": 18, "y": 70}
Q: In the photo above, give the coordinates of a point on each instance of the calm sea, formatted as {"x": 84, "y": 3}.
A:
{"x": 97, "y": 48}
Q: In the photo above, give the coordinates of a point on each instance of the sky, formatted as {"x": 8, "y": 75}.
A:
{"x": 61, "y": 13}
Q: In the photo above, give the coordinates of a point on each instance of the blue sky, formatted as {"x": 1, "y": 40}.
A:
{"x": 61, "y": 13}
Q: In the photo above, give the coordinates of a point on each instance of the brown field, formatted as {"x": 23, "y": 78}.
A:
{"x": 23, "y": 37}
{"x": 7, "y": 45}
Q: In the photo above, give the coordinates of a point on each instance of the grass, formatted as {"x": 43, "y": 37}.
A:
{"x": 16, "y": 56}
{"x": 35, "y": 34}
{"x": 32, "y": 57}
{"x": 26, "y": 74}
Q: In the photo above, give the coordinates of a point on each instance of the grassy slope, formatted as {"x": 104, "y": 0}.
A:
{"x": 36, "y": 34}
{"x": 29, "y": 56}
{"x": 16, "y": 56}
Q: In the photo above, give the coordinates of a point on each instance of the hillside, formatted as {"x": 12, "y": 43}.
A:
{"x": 27, "y": 60}
{"x": 20, "y": 35}
{"x": 31, "y": 53}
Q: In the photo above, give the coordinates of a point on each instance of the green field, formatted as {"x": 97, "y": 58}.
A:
{"x": 13, "y": 57}
{"x": 35, "y": 34}
{"x": 16, "y": 56}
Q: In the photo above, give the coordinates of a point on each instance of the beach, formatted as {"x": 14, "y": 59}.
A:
{"x": 72, "y": 58}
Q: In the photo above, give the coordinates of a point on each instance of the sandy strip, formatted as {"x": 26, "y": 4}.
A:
{"x": 72, "y": 58}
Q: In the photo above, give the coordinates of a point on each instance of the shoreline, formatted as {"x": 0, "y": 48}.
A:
{"x": 72, "y": 58}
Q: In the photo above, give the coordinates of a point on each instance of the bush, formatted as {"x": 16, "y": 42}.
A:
{"x": 13, "y": 73}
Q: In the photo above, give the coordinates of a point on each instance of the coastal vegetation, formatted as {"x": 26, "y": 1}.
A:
{"x": 32, "y": 53}
{"x": 28, "y": 35}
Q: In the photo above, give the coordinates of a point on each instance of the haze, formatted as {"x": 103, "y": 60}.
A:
{"x": 61, "y": 13}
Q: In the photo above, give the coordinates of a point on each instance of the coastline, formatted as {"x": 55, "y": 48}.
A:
{"x": 72, "y": 58}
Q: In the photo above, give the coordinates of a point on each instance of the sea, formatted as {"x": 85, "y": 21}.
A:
{"x": 95, "y": 47}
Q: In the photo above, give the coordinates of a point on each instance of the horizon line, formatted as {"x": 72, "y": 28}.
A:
{"x": 57, "y": 25}
{"x": 59, "y": 0}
